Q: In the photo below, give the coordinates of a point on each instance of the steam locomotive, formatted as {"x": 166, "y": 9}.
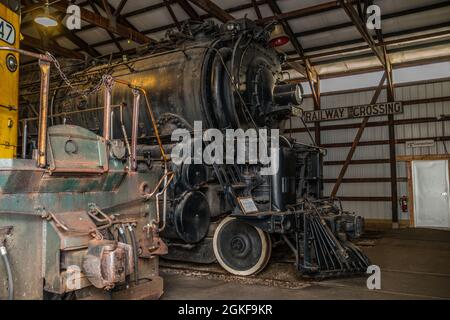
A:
{"x": 227, "y": 77}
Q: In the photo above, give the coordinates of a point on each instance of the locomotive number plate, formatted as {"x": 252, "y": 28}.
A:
{"x": 7, "y": 32}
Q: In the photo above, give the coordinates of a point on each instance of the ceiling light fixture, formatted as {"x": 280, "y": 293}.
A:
{"x": 45, "y": 18}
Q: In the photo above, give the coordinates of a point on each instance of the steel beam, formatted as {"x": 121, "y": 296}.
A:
{"x": 120, "y": 7}
{"x": 188, "y": 9}
{"x": 382, "y": 142}
{"x": 384, "y": 17}
{"x": 83, "y": 45}
{"x": 213, "y": 9}
{"x": 362, "y": 29}
{"x": 105, "y": 23}
{"x": 257, "y": 11}
{"x": 357, "y": 162}
{"x": 317, "y": 9}
{"x": 392, "y": 147}
{"x": 33, "y": 44}
{"x": 366, "y": 180}
{"x": 94, "y": 5}
{"x": 172, "y": 14}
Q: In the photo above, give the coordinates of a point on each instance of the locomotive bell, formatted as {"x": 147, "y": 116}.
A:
{"x": 278, "y": 37}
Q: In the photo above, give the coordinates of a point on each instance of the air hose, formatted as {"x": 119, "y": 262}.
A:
{"x": 4, "y": 255}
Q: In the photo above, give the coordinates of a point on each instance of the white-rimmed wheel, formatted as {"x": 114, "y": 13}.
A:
{"x": 240, "y": 248}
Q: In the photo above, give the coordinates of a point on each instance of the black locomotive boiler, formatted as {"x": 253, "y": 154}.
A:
{"x": 229, "y": 77}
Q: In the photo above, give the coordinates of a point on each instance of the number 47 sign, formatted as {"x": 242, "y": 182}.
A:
{"x": 7, "y": 32}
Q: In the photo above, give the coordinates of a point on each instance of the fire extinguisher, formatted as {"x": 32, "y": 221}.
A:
{"x": 404, "y": 203}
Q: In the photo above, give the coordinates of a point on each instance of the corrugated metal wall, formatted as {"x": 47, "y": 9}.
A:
{"x": 380, "y": 210}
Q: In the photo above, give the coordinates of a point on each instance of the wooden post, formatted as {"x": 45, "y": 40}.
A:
{"x": 317, "y": 106}
{"x": 392, "y": 144}
{"x": 357, "y": 139}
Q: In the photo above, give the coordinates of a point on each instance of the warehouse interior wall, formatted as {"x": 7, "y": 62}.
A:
{"x": 425, "y": 92}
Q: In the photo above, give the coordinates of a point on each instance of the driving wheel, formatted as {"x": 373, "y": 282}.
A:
{"x": 240, "y": 248}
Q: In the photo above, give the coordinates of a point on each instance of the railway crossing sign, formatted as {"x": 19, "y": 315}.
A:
{"x": 342, "y": 113}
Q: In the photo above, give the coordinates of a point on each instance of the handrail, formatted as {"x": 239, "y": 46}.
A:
{"x": 168, "y": 175}
{"x": 39, "y": 56}
{"x": 44, "y": 66}
{"x": 167, "y": 178}
{"x": 150, "y": 111}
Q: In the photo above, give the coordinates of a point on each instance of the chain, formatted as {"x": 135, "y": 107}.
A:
{"x": 106, "y": 79}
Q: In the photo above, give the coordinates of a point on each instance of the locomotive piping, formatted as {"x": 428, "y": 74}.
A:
{"x": 150, "y": 110}
{"x": 124, "y": 132}
{"x": 167, "y": 183}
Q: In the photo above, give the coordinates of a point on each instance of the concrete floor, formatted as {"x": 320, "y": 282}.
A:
{"x": 415, "y": 264}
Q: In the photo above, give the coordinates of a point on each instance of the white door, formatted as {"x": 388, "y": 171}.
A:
{"x": 431, "y": 194}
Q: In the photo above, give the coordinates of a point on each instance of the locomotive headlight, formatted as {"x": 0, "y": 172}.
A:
{"x": 44, "y": 18}
{"x": 11, "y": 62}
{"x": 288, "y": 94}
{"x": 298, "y": 93}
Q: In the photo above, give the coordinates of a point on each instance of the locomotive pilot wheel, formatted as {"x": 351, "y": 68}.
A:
{"x": 240, "y": 248}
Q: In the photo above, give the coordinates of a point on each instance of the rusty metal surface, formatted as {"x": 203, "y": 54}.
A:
{"x": 107, "y": 263}
{"x": 28, "y": 194}
{"x": 73, "y": 229}
{"x": 152, "y": 289}
{"x": 43, "y": 113}
{"x": 31, "y": 182}
{"x": 107, "y": 113}
{"x": 135, "y": 129}
{"x": 150, "y": 244}
{"x": 26, "y": 257}
{"x": 61, "y": 198}
{"x": 76, "y": 149}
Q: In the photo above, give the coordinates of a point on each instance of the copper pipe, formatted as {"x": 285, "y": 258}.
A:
{"x": 134, "y": 128}
{"x": 41, "y": 57}
{"x": 125, "y": 136}
{"x": 150, "y": 111}
{"x": 70, "y": 113}
{"x": 164, "y": 193}
{"x": 24, "y": 139}
{"x": 44, "y": 66}
{"x": 107, "y": 112}
{"x": 42, "y": 135}
{"x": 167, "y": 179}
{"x": 155, "y": 127}
{"x": 167, "y": 175}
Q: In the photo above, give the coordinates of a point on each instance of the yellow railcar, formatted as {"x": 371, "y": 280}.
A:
{"x": 9, "y": 79}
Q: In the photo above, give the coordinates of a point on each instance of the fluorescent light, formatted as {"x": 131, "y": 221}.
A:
{"x": 45, "y": 19}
